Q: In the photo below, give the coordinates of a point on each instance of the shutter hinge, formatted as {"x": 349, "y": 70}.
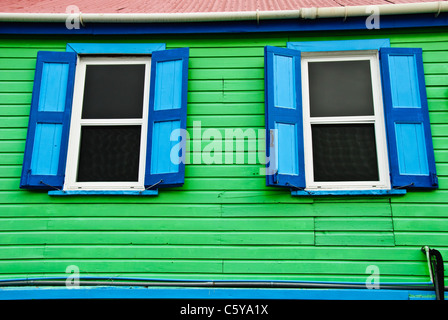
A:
{"x": 276, "y": 177}
{"x": 28, "y": 173}
{"x": 434, "y": 179}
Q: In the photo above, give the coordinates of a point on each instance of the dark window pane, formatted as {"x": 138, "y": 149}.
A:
{"x": 344, "y": 152}
{"x": 113, "y": 92}
{"x": 340, "y": 88}
{"x": 109, "y": 153}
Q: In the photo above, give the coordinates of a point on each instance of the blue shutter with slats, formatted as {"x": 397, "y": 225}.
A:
{"x": 49, "y": 121}
{"x": 284, "y": 126}
{"x": 411, "y": 154}
{"x": 165, "y": 161}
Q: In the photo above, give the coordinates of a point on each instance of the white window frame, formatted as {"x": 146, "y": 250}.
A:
{"x": 76, "y": 123}
{"x": 377, "y": 119}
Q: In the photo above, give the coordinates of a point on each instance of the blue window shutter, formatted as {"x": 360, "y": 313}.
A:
{"x": 284, "y": 121}
{"x": 165, "y": 160}
{"x": 49, "y": 121}
{"x": 411, "y": 154}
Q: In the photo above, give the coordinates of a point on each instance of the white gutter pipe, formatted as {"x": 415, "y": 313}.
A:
{"x": 305, "y": 13}
{"x": 425, "y": 249}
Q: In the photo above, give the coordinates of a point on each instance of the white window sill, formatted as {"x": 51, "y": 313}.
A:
{"x": 103, "y": 192}
{"x": 308, "y": 193}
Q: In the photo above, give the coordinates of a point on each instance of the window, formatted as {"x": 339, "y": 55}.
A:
{"x": 107, "y": 143}
{"x": 343, "y": 121}
{"x": 102, "y": 120}
{"x": 347, "y": 117}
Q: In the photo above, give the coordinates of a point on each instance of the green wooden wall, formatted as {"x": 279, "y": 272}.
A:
{"x": 224, "y": 223}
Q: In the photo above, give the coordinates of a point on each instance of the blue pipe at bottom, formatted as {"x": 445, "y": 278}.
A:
{"x": 110, "y": 292}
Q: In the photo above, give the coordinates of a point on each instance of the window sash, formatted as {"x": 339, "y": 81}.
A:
{"x": 77, "y": 122}
{"x": 377, "y": 119}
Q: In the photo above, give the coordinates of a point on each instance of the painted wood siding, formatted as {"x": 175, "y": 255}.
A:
{"x": 224, "y": 223}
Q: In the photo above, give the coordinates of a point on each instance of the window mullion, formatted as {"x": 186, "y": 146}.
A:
{"x": 111, "y": 122}
{"x": 346, "y": 120}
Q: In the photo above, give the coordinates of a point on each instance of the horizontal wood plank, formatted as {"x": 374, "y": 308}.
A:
{"x": 160, "y": 238}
